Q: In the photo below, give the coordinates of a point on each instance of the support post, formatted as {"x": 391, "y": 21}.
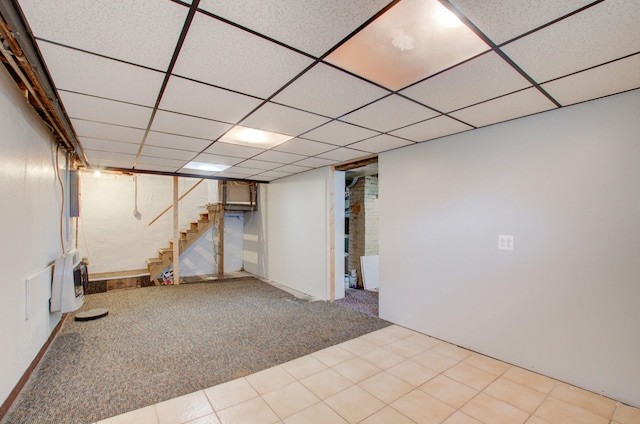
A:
{"x": 220, "y": 240}
{"x": 176, "y": 234}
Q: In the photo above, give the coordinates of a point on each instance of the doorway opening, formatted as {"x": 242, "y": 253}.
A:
{"x": 361, "y": 237}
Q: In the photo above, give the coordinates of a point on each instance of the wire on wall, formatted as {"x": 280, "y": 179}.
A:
{"x": 136, "y": 212}
{"x": 57, "y": 171}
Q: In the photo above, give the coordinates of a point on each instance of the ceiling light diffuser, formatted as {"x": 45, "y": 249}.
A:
{"x": 208, "y": 167}
{"x": 411, "y": 41}
{"x": 255, "y": 138}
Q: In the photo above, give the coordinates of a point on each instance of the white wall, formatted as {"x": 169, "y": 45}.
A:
{"x": 112, "y": 237}
{"x": 30, "y": 227}
{"x": 338, "y": 232}
{"x": 566, "y": 185}
{"x": 287, "y": 239}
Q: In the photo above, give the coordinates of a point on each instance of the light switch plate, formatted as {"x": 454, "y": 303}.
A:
{"x": 505, "y": 242}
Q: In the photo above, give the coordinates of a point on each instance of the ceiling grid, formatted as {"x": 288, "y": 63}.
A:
{"x": 171, "y": 87}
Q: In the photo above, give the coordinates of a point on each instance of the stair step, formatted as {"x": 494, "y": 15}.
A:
{"x": 184, "y": 234}
{"x": 187, "y": 237}
{"x": 165, "y": 253}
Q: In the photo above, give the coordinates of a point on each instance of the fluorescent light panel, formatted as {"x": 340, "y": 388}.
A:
{"x": 208, "y": 167}
{"x": 252, "y": 137}
{"x": 411, "y": 41}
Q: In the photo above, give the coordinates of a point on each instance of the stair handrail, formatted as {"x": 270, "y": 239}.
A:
{"x": 168, "y": 208}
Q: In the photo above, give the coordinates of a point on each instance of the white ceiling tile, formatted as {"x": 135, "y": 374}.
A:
{"x": 143, "y": 31}
{"x": 195, "y": 172}
{"x": 157, "y": 167}
{"x": 606, "y": 31}
{"x": 602, "y": 81}
{"x": 283, "y": 120}
{"x": 172, "y": 141}
{"x": 433, "y": 128}
{"x": 522, "y": 103}
{"x": 258, "y": 164}
{"x": 188, "y": 126}
{"x": 223, "y": 174}
{"x": 339, "y": 133}
{"x": 106, "y": 131}
{"x": 274, "y": 174}
{"x": 85, "y": 73}
{"x": 310, "y": 26}
{"x": 316, "y": 162}
{"x": 194, "y": 98}
{"x": 216, "y": 159}
{"x": 228, "y": 57}
{"x": 163, "y": 152}
{"x": 103, "y": 163}
{"x": 483, "y": 78}
{"x": 238, "y": 170}
{"x": 502, "y": 21}
{"x": 389, "y": 113}
{"x": 294, "y": 169}
{"x": 329, "y": 92}
{"x": 263, "y": 178}
{"x": 279, "y": 157}
{"x": 228, "y": 149}
{"x": 88, "y": 143}
{"x": 304, "y": 147}
{"x": 409, "y": 42}
{"x": 380, "y": 143}
{"x": 342, "y": 154}
{"x": 106, "y": 111}
{"x": 151, "y": 160}
{"x": 100, "y": 158}
{"x": 235, "y": 172}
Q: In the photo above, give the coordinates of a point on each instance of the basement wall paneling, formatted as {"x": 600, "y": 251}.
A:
{"x": 564, "y": 301}
{"x": 287, "y": 239}
{"x": 30, "y": 226}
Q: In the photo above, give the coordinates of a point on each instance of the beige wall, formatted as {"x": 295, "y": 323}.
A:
{"x": 287, "y": 239}
{"x": 566, "y": 185}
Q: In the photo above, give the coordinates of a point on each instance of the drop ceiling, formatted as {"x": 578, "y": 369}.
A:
{"x": 152, "y": 85}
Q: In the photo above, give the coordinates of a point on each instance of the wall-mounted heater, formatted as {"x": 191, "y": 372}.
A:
{"x": 67, "y": 288}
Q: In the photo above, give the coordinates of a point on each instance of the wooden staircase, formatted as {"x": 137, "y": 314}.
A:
{"x": 187, "y": 238}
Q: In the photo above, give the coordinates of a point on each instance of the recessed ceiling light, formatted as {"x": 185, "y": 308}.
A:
{"x": 208, "y": 167}
{"x": 252, "y": 137}
{"x": 411, "y": 41}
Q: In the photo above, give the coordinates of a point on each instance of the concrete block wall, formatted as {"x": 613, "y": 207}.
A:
{"x": 363, "y": 222}
{"x": 371, "y": 215}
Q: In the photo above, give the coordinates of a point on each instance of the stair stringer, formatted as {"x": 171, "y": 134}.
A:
{"x": 187, "y": 237}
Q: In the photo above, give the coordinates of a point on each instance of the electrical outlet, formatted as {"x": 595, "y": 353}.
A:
{"x": 505, "y": 242}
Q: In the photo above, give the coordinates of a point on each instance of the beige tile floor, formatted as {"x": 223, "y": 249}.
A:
{"x": 390, "y": 376}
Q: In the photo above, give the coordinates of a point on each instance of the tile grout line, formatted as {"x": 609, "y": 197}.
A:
{"x": 545, "y": 398}
{"x": 459, "y": 409}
